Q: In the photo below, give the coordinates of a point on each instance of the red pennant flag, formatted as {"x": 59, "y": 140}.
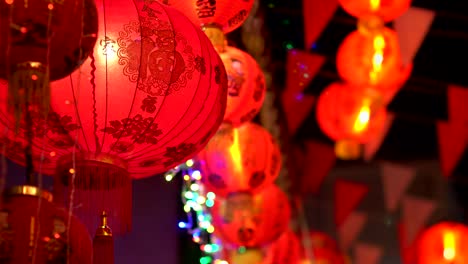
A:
{"x": 300, "y": 70}
{"x": 348, "y": 195}
{"x": 416, "y": 212}
{"x": 396, "y": 179}
{"x": 317, "y": 14}
{"x": 453, "y": 140}
{"x": 371, "y": 148}
{"x": 319, "y": 159}
{"x": 367, "y": 254}
{"x": 457, "y": 104}
{"x": 407, "y": 252}
{"x": 350, "y": 229}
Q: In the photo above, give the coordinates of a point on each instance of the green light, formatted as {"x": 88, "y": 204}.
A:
{"x": 286, "y": 22}
{"x": 289, "y": 46}
{"x": 242, "y": 250}
{"x": 205, "y": 260}
{"x": 271, "y": 5}
{"x": 209, "y": 203}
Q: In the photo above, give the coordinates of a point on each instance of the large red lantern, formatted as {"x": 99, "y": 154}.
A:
{"x": 350, "y": 115}
{"x": 246, "y": 86}
{"x": 286, "y": 249}
{"x": 243, "y": 219}
{"x": 370, "y": 59}
{"x": 33, "y": 230}
{"x": 444, "y": 243}
{"x": 150, "y": 97}
{"x": 385, "y": 9}
{"x": 242, "y": 159}
{"x": 42, "y": 41}
{"x": 324, "y": 249}
{"x": 223, "y": 14}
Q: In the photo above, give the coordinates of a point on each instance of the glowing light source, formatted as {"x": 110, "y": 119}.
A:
{"x": 449, "y": 246}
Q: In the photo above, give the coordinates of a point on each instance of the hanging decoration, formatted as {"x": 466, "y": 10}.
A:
{"x": 415, "y": 214}
{"x": 286, "y": 249}
{"x": 395, "y": 180}
{"x": 324, "y": 250}
{"x": 443, "y": 243}
{"x": 145, "y": 101}
{"x": 42, "y": 41}
{"x": 348, "y": 195}
{"x": 350, "y": 116}
{"x": 247, "y": 220}
{"x": 246, "y": 86}
{"x": 243, "y": 159}
{"x": 386, "y": 10}
{"x": 349, "y": 230}
{"x": 34, "y": 230}
{"x": 367, "y": 254}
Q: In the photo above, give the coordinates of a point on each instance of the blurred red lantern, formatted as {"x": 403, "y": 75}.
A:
{"x": 324, "y": 249}
{"x": 43, "y": 40}
{"x": 242, "y": 159}
{"x": 150, "y": 97}
{"x": 246, "y": 86}
{"x": 286, "y": 249}
{"x": 386, "y": 9}
{"x": 223, "y": 14}
{"x": 33, "y": 230}
{"x": 375, "y": 60}
{"x": 243, "y": 219}
{"x": 350, "y": 115}
{"x": 247, "y": 256}
{"x": 444, "y": 243}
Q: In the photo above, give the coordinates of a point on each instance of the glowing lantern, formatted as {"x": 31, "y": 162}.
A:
{"x": 249, "y": 220}
{"x": 444, "y": 243}
{"x": 150, "y": 97}
{"x": 387, "y": 10}
{"x": 246, "y": 86}
{"x": 29, "y": 234}
{"x": 242, "y": 159}
{"x": 42, "y": 41}
{"x": 374, "y": 60}
{"x": 350, "y": 116}
{"x": 247, "y": 256}
{"x": 324, "y": 250}
{"x": 286, "y": 249}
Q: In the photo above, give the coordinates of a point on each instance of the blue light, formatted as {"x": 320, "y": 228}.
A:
{"x": 182, "y": 225}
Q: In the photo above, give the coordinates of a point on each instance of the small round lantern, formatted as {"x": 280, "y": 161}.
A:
{"x": 350, "y": 116}
{"x": 387, "y": 10}
{"x": 150, "y": 97}
{"x": 444, "y": 243}
{"x": 243, "y": 219}
{"x": 286, "y": 249}
{"x": 33, "y": 234}
{"x": 42, "y": 41}
{"x": 375, "y": 60}
{"x": 246, "y": 86}
{"x": 242, "y": 159}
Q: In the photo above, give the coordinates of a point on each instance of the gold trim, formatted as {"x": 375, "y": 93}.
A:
{"x": 104, "y": 229}
{"x": 89, "y": 156}
{"x": 29, "y": 190}
{"x": 216, "y": 36}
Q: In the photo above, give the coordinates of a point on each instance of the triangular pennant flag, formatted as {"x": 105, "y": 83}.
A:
{"x": 416, "y": 212}
{"x": 406, "y": 251}
{"x": 453, "y": 140}
{"x": 348, "y": 195}
{"x": 458, "y": 108}
{"x": 297, "y": 111}
{"x": 320, "y": 159}
{"x": 395, "y": 179}
{"x": 367, "y": 254}
{"x": 349, "y": 231}
{"x": 412, "y": 28}
{"x": 317, "y": 14}
{"x": 371, "y": 148}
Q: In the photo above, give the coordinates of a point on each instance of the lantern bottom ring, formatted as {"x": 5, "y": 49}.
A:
{"x": 28, "y": 190}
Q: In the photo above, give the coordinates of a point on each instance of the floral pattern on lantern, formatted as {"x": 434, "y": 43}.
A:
{"x": 150, "y": 96}
{"x": 246, "y": 86}
{"x": 242, "y": 159}
{"x": 243, "y": 219}
{"x": 387, "y": 10}
{"x": 371, "y": 60}
{"x": 443, "y": 243}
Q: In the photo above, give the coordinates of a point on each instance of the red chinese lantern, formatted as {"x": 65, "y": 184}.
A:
{"x": 247, "y": 256}
{"x": 150, "y": 97}
{"x": 375, "y": 60}
{"x": 324, "y": 250}
{"x": 444, "y": 243}
{"x": 33, "y": 230}
{"x": 43, "y": 40}
{"x": 286, "y": 249}
{"x": 350, "y": 116}
{"x": 246, "y": 86}
{"x": 243, "y": 219}
{"x": 387, "y": 10}
{"x": 242, "y": 159}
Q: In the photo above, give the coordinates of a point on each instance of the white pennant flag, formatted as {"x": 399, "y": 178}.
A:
{"x": 395, "y": 179}
{"x": 416, "y": 212}
{"x": 367, "y": 254}
{"x": 350, "y": 229}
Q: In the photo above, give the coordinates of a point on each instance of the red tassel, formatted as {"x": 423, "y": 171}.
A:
{"x": 103, "y": 243}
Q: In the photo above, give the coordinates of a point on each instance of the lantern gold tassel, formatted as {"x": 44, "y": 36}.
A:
{"x": 103, "y": 243}
{"x": 28, "y": 86}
